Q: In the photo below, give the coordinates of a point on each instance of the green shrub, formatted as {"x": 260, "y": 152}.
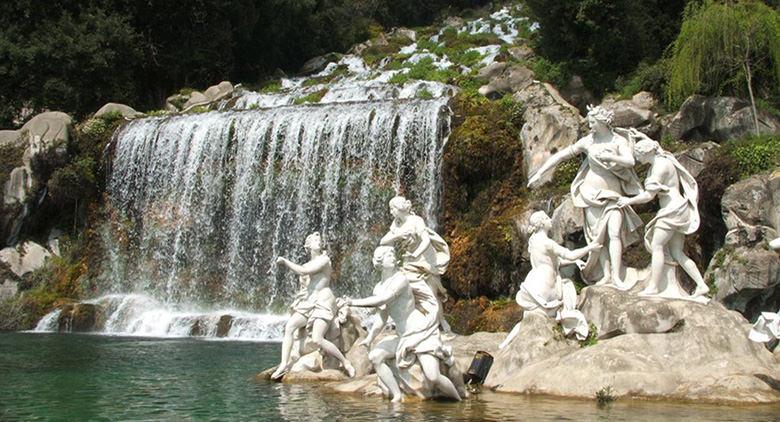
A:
{"x": 554, "y": 73}
{"x": 314, "y": 97}
{"x": 755, "y": 154}
{"x": 646, "y": 77}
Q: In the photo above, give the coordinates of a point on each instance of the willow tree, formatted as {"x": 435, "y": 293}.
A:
{"x": 720, "y": 46}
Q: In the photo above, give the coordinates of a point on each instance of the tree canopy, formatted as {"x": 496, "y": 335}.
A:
{"x": 75, "y": 55}
{"x": 730, "y": 48}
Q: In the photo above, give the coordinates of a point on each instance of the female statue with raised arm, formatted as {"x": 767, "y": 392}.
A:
{"x": 314, "y": 304}
{"x": 678, "y": 196}
{"x": 425, "y": 256}
{"x": 606, "y": 174}
{"x": 417, "y": 336}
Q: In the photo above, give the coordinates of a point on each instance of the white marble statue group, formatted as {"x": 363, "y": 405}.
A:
{"x": 411, "y": 258}
{"x": 605, "y": 188}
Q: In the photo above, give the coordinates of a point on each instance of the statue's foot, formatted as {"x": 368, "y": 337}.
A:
{"x": 604, "y": 281}
{"x": 397, "y": 399}
{"x": 701, "y": 291}
{"x": 649, "y": 292}
{"x": 280, "y": 372}
{"x": 350, "y": 369}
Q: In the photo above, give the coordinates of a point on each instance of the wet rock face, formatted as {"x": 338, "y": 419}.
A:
{"x": 745, "y": 271}
{"x": 717, "y": 118}
{"x": 81, "y": 318}
{"x": 224, "y": 324}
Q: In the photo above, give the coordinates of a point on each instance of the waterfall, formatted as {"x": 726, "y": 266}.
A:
{"x": 202, "y": 204}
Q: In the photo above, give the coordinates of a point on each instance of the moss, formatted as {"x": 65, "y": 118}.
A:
{"x": 424, "y": 70}
{"x": 593, "y": 334}
{"x": 424, "y": 94}
{"x": 484, "y": 190}
{"x": 339, "y": 71}
{"x": 314, "y": 97}
{"x": 271, "y": 88}
{"x": 481, "y": 314}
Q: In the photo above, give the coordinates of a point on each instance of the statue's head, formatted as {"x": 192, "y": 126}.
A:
{"x": 400, "y": 206}
{"x": 384, "y": 256}
{"x": 539, "y": 220}
{"x": 313, "y": 242}
{"x": 645, "y": 149}
{"x": 599, "y": 114}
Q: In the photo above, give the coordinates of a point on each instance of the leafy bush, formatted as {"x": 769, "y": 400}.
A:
{"x": 754, "y": 155}
{"x": 554, "y": 73}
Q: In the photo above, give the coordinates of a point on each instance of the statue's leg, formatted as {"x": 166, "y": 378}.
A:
{"x": 614, "y": 227}
{"x": 661, "y": 238}
{"x": 318, "y": 336}
{"x": 592, "y": 222}
{"x": 676, "y": 249}
{"x": 511, "y": 336}
{"x": 378, "y": 357}
{"x": 430, "y": 367}
{"x": 296, "y": 322}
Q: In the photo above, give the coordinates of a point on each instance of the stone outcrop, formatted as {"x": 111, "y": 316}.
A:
{"x": 81, "y": 318}
{"x": 317, "y": 64}
{"x": 212, "y": 94}
{"x": 576, "y": 93}
{"x": 745, "y": 271}
{"x": 124, "y": 110}
{"x": 687, "y": 352}
{"x": 693, "y": 159}
{"x": 551, "y": 124}
{"x": 46, "y": 132}
{"x": 24, "y": 258}
{"x": 504, "y": 79}
{"x": 636, "y": 112}
{"x": 717, "y": 118}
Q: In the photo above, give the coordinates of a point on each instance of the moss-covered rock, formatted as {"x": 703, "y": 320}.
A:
{"x": 468, "y": 316}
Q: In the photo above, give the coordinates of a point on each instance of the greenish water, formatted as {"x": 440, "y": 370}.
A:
{"x": 75, "y": 377}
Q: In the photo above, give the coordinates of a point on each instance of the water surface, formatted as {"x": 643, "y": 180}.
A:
{"x": 74, "y": 377}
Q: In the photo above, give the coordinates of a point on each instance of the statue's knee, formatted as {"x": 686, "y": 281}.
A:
{"x": 376, "y": 357}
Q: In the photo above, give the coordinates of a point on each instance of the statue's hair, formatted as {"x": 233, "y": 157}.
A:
{"x": 400, "y": 203}
{"x": 647, "y": 146}
{"x": 380, "y": 252}
{"x": 601, "y": 114}
{"x": 535, "y": 221}
{"x": 310, "y": 238}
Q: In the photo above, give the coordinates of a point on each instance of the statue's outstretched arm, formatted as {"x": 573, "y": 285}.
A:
{"x": 555, "y": 159}
{"x": 312, "y": 267}
{"x": 376, "y": 327}
{"x": 383, "y": 298}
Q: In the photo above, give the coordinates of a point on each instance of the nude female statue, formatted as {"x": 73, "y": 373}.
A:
{"x": 543, "y": 291}
{"x": 417, "y": 336}
{"x": 678, "y": 196}
{"x": 314, "y": 304}
{"x": 425, "y": 256}
{"x": 605, "y": 175}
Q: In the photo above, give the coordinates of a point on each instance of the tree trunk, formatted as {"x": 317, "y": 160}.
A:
{"x": 749, "y": 78}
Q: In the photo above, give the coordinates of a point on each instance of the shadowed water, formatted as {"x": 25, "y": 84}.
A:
{"x": 85, "y": 377}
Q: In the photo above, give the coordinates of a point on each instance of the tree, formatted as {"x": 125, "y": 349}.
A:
{"x": 722, "y": 45}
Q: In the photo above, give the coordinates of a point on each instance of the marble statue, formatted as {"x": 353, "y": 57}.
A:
{"x": 606, "y": 174}
{"x": 775, "y": 244}
{"x": 424, "y": 257}
{"x": 417, "y": 336}
{"x": 767, "y": 328}
{"x": 314, "y": 307}
{"x": 543, "y": 291}
{"x": 678, "y": 196}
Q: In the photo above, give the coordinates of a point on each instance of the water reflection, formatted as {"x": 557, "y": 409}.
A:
{"x": 77, "y": 377}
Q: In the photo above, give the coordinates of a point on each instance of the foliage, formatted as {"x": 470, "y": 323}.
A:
{"x": 603, "y": 39}
{"x": 604, "y": 395}
{"x": 424, "y": 70}
{"x": 754, "y": 154}
{"x": 646, "y": 77}
{"x": 314, "y": 97}
{"x": 76, "y": 56}
{"x": 10, "y": 158}
{"x": 593, "y": 334}
{"x": 554, "y": 73}
{"x": 722, "y": 46}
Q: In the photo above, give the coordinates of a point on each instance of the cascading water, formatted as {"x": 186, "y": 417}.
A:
{"x": 201, "y": 205}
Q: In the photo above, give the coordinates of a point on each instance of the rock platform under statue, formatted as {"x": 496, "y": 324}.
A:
{"x": 647, "y": 348}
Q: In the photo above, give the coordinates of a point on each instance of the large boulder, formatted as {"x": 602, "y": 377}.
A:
{"x": 318, "y": 64}
{"x": 504, "y": 79}
{"x": 116, "y": 108}
{"x": 81, "y": 317}
{"x": 717, "y": 118}
{"x": 577, "y": 94}
{"x": 551, "y": 124}
{"x": 627, "y": 114}
{"x": 24, "y": 258}
{"x": 693, "y": 158}
{"x": 704, "y": 356}
{"x": 745, "y": 272}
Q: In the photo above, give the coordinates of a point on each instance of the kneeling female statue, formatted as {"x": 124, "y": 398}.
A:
{"x": 417, "y": 338}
